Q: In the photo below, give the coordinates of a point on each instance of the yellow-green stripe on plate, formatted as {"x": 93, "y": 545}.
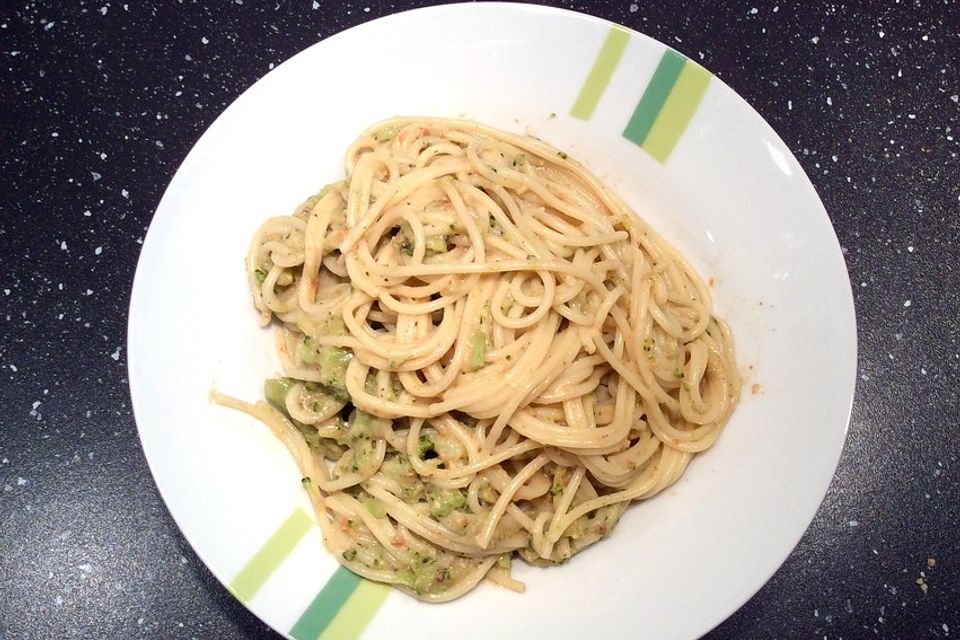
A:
{"x": 357, "y": 611}
{"x": 601, "y": 72}
{"x": 273, "y": 552}
{"x": 342, "y": 609}
{"x": 677, "y": 111}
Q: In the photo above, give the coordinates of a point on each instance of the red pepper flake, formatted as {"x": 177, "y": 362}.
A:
{"x": 425, "y": 131}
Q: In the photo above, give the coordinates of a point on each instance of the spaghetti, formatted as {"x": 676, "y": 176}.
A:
{"x": 486, "y": 355}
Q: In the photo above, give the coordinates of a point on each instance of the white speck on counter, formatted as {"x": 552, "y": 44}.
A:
{"x": 789, "y": 105}
{"x": 945, "y": 627}
{"x": 86, "y": 213}
{"x": 881, "y": 33}
{"x": 21, "y": 481}
{"x": 116, "y": 354}
{"x": 50, "y": 24}
{"x": 103, "y": 10}
{"x": 854, "y": 523}
{"x": 907, "y": 303}
{"x": 85, "y": 567}
{"x": 829, "y": 101}
{"x": 63, "y": 245}
{"x": 634, "y": 8}
{"x": 204, "y": 40}
{"x": 910, "y": 248}
{"x": 316, "y": 5}
{"x": 815, "y": 39}
{"x": 13, "y": 368}
{"x": 753, "y": 11}
{"x": 98, "y": 251}
{"x": 125, "y": 193}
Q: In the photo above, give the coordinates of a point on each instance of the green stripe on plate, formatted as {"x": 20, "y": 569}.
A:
{"x": 357, "y": 612}
{"x": 320, "y": 613}
{"x": 677, "y": 111}
{"x": 273, "y": 552}
{"x": 599, "y": 76}
{"x": 654, "y": 96}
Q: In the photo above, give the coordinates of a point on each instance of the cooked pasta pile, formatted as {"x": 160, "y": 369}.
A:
{"x": 486, "y": 355}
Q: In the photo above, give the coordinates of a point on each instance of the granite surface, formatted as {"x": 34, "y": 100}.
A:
{"x": 102, "y": 100}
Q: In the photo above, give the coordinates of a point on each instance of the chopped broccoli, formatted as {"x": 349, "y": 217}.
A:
{"x": 333, "y": 363}
{"x": 375, "y": 508}
{"x": 443, "y": 501}
{"x": 478, "y": 352}
{"x": 276, "y": 389}
{"x": 426, "y": 449}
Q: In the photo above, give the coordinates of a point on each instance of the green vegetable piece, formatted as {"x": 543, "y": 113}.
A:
{"x": 406, "y": 577}
{"x": 333, "y": 363}
{"x": 519, "y": 160}
{"x": 478, "y": 352}
{"x": 426, "y": 449}
{"x": 556, "y": 489}
{"x": 276, "y": 389}
{"x": 443, "y": 501}
{"x": 305, "y": 481}
{"x": 375, "y": 508}
{"x": 504, "y": 561}
{"x": 260, "y": 274}
{"x": 436, "y": 244}
{"x": 349, "y": 555}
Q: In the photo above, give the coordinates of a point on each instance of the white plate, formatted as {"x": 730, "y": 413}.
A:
{"x": 730, "y": 195}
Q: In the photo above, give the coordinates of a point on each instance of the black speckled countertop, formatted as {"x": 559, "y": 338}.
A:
{"x": 102, "y": 100}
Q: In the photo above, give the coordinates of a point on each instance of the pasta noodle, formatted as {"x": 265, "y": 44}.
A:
{"x": 486, "y": 355}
